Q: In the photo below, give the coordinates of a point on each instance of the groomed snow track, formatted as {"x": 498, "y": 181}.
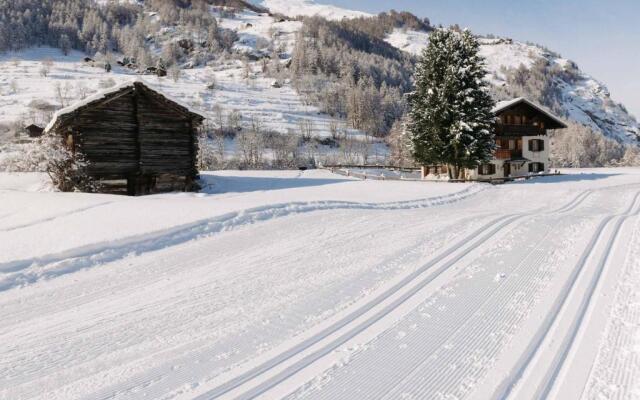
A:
{"x": 439, "y": 298}
{"x": 385, "y": 303}
{"x": 546, "y": 384}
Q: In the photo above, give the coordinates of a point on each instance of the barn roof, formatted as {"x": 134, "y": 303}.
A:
{"x": 105, "y": 95}
{"x": 505, "y": 105}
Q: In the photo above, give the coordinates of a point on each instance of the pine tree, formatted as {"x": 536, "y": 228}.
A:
{"x": 450, "y": 109}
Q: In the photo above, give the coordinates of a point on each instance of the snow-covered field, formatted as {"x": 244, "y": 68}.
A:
{"x": 311, "y": 285}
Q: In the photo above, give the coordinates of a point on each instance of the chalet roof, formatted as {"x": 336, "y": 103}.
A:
{"x": 104, "y": 95}
{"x": 505, "y": 105}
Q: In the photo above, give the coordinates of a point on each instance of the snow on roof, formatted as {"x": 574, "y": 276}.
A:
{"x": 103, "y": 94}
{"x": 503, "y": 105}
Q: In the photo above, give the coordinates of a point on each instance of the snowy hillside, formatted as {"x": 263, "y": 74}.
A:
{"x": 584, "y": 99}
{"x": 278, "y": 109}
{"x": 294, "y": 8}
{"x": 276, "y": 105}
{"x": 310, "y": 285}
{"x": 251, "y": 94}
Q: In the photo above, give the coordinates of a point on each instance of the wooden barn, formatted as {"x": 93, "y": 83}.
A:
{"x": 134, "y": 138}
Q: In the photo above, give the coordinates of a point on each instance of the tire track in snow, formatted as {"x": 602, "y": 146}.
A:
{"x": 21, "y": 272}
{"x": 506, "y": 386}
{"x": 461, "y": 247}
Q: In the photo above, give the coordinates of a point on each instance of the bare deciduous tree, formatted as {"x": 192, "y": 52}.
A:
{"x": 45, "y": 67}
{"x": 63, "y": 93}
{"x": 174, "y": 73}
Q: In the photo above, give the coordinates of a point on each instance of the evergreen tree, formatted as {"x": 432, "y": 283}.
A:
{"x": 450, "y": 109}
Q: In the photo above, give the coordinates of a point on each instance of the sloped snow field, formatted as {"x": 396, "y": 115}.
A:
{"x": 312, "y": 285}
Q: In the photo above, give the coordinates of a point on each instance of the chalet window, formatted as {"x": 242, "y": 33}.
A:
{"x": 517, "y": 120}
{"x": 536, "y": 145}
{"x": 536, "y": 167}
{"x": 487, "y": 169}
{"x": 512, "y": 144}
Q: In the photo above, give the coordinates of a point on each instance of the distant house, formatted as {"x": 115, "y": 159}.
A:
{"x": 133, "y": 135}
{"x": 34, "y": 131}
{"x": 522, "y": 143}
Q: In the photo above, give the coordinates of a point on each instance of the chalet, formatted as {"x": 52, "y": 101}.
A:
{"x": 133, "y": 135}
{"x": 522, "y": 143}
{"x": 34, "y": 131}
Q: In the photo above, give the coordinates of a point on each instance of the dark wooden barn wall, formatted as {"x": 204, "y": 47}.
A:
{"x": 136, "y": 133}
{"x": 166, "y": 138}
{"x": 107, "y": 136}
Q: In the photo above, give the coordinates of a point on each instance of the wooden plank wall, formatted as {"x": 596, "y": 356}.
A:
{"x": 166, "y": 138}
{"x": 106, "y": 135}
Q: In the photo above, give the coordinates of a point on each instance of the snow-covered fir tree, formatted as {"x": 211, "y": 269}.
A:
{"x": 450, "y": 109}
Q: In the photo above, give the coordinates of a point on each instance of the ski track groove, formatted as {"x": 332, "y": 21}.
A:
{"x": 505, "y": 388}
{"x": 569, "y": 339}
{"x": 188, "y": 375}
{"x": 392, "y": 260}
{"x": 498, "y": 224}
{"x": 464, "y": 318}
{"x": 485, "y": 327}
{"x": 571, "y": 205}
{"x": 26, "y": 271}
{"x": 615, "y": 364}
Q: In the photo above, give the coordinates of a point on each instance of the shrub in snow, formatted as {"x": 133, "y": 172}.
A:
{"x": 68, "y": 171}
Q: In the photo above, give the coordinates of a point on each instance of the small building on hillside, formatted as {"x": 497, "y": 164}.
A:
{"x": 133, "y": 136}
{"x": 522, "y": 143}
{"x": 34, "y": 131}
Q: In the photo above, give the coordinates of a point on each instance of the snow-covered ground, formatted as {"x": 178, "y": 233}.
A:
{"x": 312, "y": 285}
{"x": 295, "y": 8}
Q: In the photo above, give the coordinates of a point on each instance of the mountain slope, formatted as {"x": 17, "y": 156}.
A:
{"x": 244, "y": 86}
{"x": 582, "y": 98}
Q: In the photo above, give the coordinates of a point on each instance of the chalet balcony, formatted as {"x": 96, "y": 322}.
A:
{"x": 519, "y": 130}
{"x": 506, "y": 154}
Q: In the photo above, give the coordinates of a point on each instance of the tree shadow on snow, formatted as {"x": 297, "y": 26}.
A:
{"x": 212, "y": 184}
